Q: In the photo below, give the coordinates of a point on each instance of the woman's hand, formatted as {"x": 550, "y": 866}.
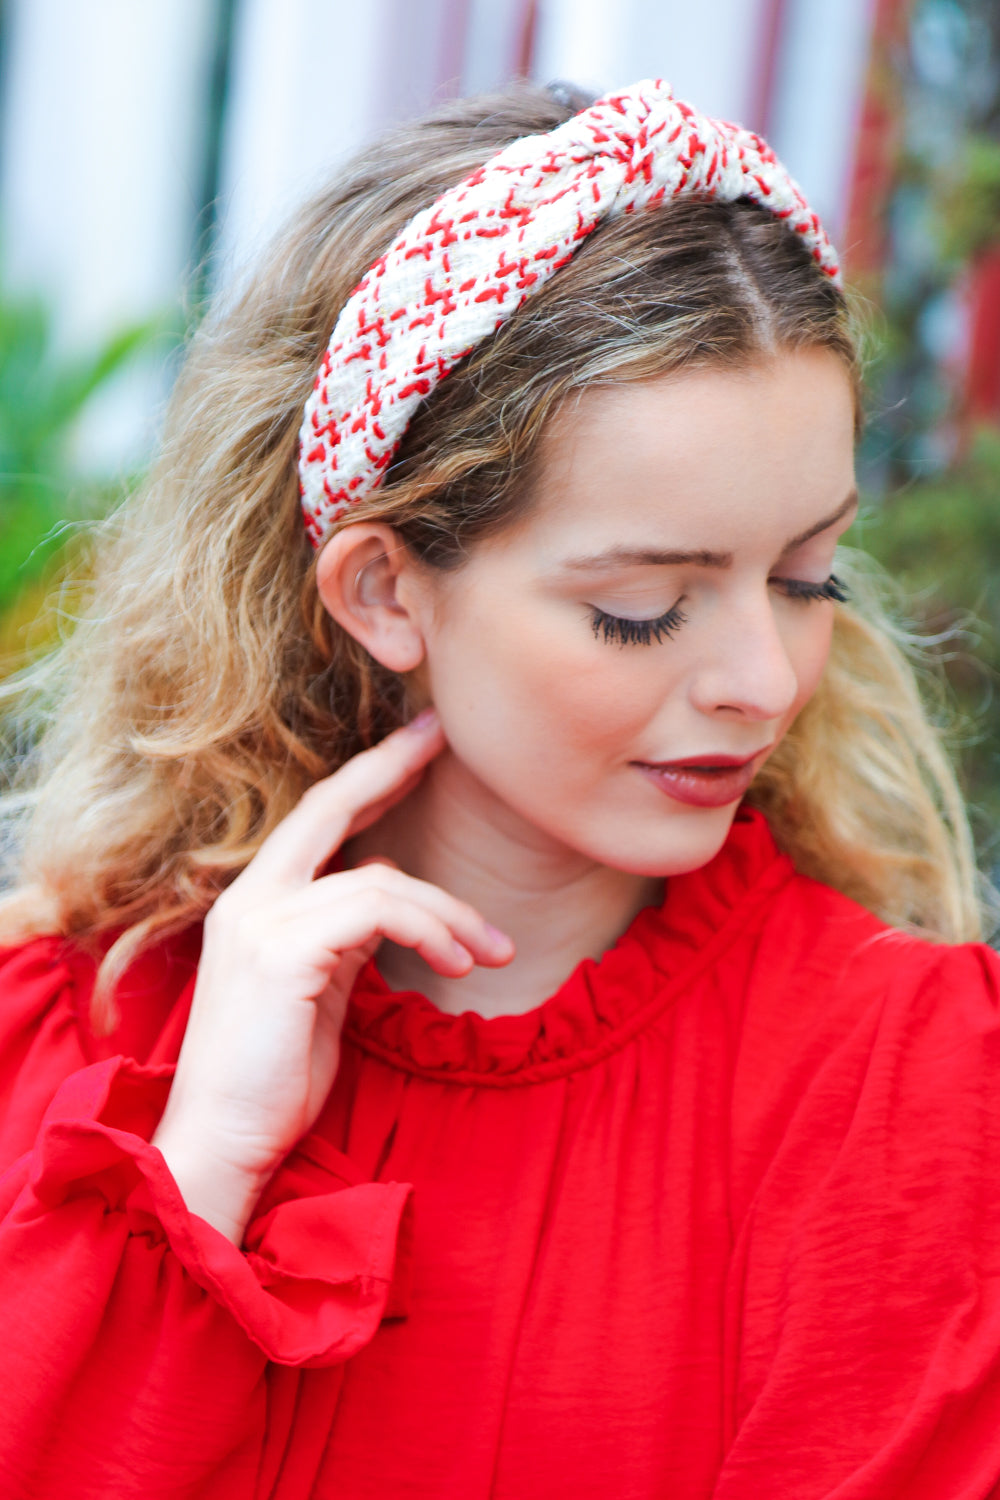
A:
{"x": 282, "y": 950}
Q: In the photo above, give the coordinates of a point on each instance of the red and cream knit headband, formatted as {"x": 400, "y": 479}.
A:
{"x": 461, "y": 267}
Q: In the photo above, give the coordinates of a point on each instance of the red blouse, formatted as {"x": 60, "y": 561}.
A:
{"x": 720, "y": 1219}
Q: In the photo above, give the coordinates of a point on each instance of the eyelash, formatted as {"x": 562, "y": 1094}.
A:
{"x": 642, "y": 632}
{"x": 636, "y": 632}
{"x": 797, "y": 588}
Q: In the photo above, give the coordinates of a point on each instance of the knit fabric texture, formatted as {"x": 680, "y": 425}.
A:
{"x": 463, "y": 266}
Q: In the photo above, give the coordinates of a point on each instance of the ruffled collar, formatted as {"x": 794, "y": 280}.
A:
{"x": 603, "y": 1003}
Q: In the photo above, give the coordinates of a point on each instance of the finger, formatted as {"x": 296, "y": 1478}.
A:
{"x": 350, "y": 966}
{"x": 487, "y": 945}
{"x": 320, "y": 822}
{"x": 374, "y": 914}
{"x": 376, "y": 810}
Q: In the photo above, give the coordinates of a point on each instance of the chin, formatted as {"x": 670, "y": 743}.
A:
{"x": 685, "y": 841}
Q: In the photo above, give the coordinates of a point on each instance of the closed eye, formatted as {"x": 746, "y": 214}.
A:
{"x": 636, "y": 632}
{"x": 631, "y": 632}
{"x": 799, "y": 588}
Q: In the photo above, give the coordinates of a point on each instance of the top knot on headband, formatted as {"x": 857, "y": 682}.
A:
{"x": 461, "y": 267}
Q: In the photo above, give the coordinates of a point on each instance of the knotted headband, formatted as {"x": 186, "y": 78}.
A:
{"x": 461, "y": 267}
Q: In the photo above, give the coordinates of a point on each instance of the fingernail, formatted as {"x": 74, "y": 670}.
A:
{"x": 498, "y": 938}
{"x": 425, "y": 718}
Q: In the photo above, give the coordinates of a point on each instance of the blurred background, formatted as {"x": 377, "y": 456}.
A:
{"x": 148, "y": 147}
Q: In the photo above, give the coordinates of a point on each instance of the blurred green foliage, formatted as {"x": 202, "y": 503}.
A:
{"x": 43, "y": 395}
{"x": 940, "y": 539}
{"x": 968, "y": 202}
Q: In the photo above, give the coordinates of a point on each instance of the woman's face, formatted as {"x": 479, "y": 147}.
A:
{"x": 613, "y": 670}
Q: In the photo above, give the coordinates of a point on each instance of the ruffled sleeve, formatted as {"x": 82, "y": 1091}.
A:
{"x": 864, "y": 1320}
{"x": 136, "y": 1338}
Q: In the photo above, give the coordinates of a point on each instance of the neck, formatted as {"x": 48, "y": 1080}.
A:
{"x": 557, "y": 905}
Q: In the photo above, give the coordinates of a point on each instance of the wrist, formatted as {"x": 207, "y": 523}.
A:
{"x": 221, "y": 1194}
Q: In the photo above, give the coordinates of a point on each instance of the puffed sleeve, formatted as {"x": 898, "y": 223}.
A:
{"x": 864, "y": 1319}
{"x": 137, "y": 1340}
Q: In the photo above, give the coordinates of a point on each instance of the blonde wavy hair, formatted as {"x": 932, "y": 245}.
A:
{"x": 204, "y": 686}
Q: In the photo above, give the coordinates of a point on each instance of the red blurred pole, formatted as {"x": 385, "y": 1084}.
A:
{"x": 981, "y": 401}
{"x": 877, "y": 144}
{"x": 526, "y": 39}
{"x": 772, "y": 26}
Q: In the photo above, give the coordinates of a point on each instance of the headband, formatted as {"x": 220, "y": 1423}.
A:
{"x": 461, "y": 267}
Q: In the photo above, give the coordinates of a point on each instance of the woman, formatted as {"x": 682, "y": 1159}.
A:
{"x": 520, "y": 1121}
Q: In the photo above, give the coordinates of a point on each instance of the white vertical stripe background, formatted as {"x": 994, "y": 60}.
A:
{"x": 707, "y": 51}
{"x": 103, "y": 127}
{"x": 820, "y": 90}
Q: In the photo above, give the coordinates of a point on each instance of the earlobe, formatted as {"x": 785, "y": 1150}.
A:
{"x": 361, "y": 576}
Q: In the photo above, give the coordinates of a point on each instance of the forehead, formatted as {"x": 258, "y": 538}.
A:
{"x": 698, "y": 459}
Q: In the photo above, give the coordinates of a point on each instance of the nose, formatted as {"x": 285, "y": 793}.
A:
{"x": 746, "y": 669}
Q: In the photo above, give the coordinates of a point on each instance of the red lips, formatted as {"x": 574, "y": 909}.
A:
{"x": 704, "y": 780}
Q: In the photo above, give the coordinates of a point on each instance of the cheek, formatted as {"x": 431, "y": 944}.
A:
{"x": 808, "y": 650}
{"x": 539, "y": 682}
{"x": 599, "y": 696}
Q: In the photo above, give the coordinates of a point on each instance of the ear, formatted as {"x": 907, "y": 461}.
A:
{"x": 364, "y": 579}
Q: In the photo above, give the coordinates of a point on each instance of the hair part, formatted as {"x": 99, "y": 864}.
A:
{"x": 205, "y": 686}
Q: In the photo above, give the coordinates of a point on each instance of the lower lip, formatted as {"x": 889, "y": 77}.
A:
{"x": 702, "y": 786}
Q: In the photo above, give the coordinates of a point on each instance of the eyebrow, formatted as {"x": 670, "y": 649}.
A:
{"x": 632, "y": 557}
